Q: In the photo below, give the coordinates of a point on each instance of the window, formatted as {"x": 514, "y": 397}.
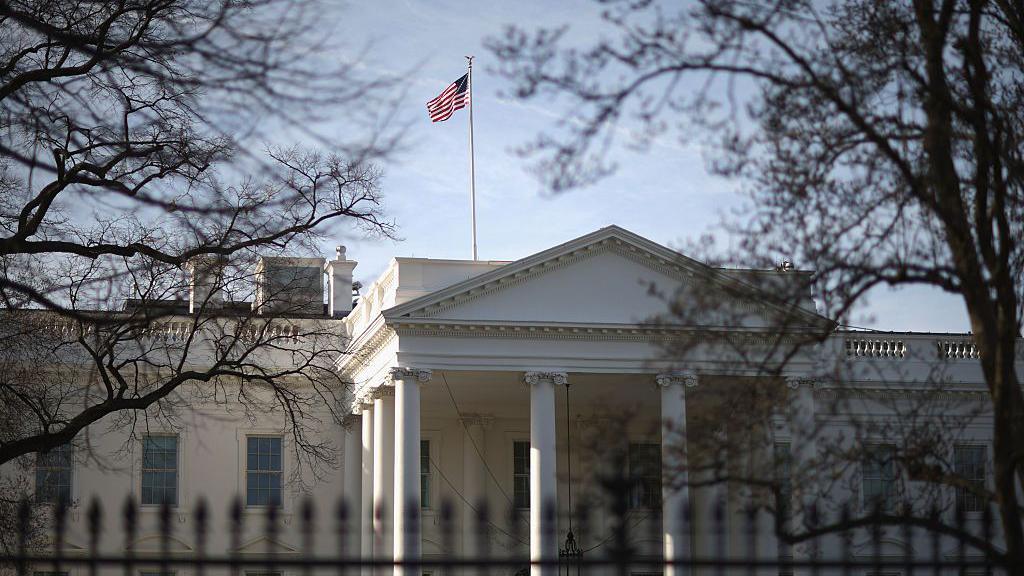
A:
{"x": 644, "y": 475}
{"x": 783, "y": 480}
{"x": 782, "y": 460}
{"x": 969, "y": 464}
{"x": 878, "y": 478}
{"x": 425, "y": 474}
{"x": 53, "y": 475}
{"x": 160, "y": 470}
{"x": 521, "y": 474}
{"x": 263, "y": 471}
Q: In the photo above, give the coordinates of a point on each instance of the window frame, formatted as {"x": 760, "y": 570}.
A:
{"x": 179, "y": 492}
{"x": 515, "y": 475}
{"x": 245, "y": 468}
{"x": 869, "y": 505}
{"x": 635, "y": 480}
{"x": 71, "y": 476}
{"x": 428, "y": 476}
{"x": 961, "y": 493}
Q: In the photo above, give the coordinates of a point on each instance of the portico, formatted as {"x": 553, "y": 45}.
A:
{"x": 461, "y": 369}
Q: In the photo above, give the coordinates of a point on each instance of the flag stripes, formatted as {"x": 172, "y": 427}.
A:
{"x": 454, "y": 97}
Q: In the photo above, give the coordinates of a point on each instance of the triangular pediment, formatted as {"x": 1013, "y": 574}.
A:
{"x": 605, "y": 277}
{"x": 265, "y": 545}
{"x": 154, "y": 543}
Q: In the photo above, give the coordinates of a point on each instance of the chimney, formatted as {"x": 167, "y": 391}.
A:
{"x": 289, "y": 285}
{"x": 205, "y": 286}
{"x": 339, "y": 284}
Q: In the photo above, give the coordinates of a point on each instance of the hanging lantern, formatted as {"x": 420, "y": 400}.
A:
{"x": 570, "y": 554}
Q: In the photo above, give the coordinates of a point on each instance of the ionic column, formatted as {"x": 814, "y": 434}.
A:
{"x": 383, "y": 470}
{"x": 474, "y": 482}
{"x": 543, "y": 480}
{"x": 675, "y": 490}
{"x": 352, "y": 480}
{"x": 803, "y": 448}
{"x": 407, "y": 382}
{"x": 365, "y": 508}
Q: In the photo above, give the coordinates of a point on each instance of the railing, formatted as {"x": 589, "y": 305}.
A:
{"x": 857, "y": 347}
{"x": 615, "y": 550}
{"x": 894, "y": 348}
{"x": 957, "y": 349}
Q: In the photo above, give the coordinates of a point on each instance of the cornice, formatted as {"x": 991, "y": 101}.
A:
{"x": 377, "y": 338}
{"x": 553, "y": 378}
{"x": 597, "y": 332}
{"x": 898, "y": 393}
{"x": 482, "y": 420}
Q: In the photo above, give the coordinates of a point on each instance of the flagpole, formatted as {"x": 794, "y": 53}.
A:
{"x": 472, "y": 164}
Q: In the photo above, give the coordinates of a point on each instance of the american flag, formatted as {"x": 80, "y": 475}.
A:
{"x": 455, "y": 96}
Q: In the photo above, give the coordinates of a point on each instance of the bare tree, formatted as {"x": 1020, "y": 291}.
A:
{"x": 131, "y": 151}
{"x": 879, "y": 142}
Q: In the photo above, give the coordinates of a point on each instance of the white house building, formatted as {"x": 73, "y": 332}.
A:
{"x": 461, "y": 373}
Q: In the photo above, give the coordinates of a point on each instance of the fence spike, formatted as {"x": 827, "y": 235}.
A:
{"x": 271, "y": 533}
{"x": 907, "y": 534}
{"x": 341, "y": 518}
{"x": 201, "y": 517}
{"x": 60, "y": 527}
{"x": 236, "y": 533}
{"x": 934, "y": 521}
{"x": 751, "y": 544}
{"x": 24, "y": 519}
{"x": 719, "y": 534}
{"x": 876, "y": 536}
{"x": 165, "y": 536}
{"x": 986, "y": 530}
{"x": 483, "y": 533}
{"x": 961, "y": 551}
{"x": 129, "y": 513}
{"x": 447, "y": 528}
{"x": 814, "y": 522}
{"x": 844, "y": 520}
{"x": 95, "y": 519}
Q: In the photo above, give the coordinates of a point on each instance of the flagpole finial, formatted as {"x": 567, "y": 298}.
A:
{"x": 470, "y": 59}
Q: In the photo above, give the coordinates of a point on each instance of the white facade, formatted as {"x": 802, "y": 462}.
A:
{"x": 471, "y": 361}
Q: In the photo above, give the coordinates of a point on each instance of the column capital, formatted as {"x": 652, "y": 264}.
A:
{"x": 555, "y": 378}
{"x": 363, "y": 402}
{"x": 481, "y": 420}
{"x": 688, "y": 379}
{"x": 421, "y": 375}
{"x": 383, "y": 391}
{"x": 350, "y": 420}
{"x": 795, "y": 382}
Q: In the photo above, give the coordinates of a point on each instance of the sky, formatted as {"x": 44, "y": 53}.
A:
{"x": 664, "y": 193}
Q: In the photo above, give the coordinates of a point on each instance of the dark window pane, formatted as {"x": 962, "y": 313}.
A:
{"x": 160, "y": 470}
{"x": 53, "y": 475}
{"x": 264, "y": 465}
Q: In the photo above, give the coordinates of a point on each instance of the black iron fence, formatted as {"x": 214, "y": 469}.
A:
{"x": 838, "y": 543}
